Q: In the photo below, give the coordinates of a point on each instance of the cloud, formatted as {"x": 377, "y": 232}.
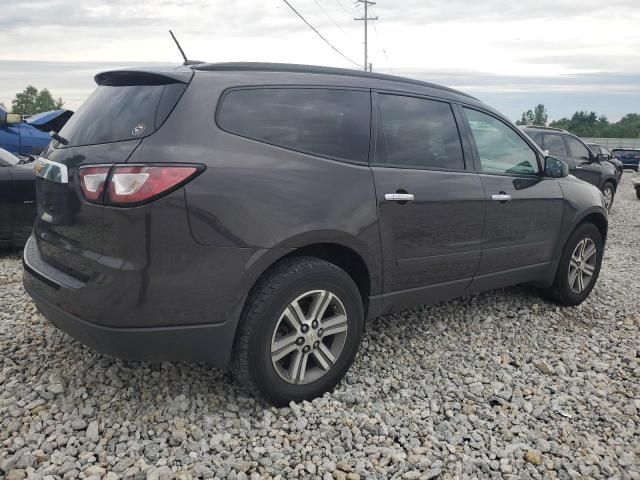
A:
{"x": 493, "y": 47}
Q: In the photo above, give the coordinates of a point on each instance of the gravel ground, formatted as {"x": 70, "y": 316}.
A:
{"x": 497, "y": 385}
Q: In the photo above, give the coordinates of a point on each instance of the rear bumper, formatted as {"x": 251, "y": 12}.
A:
{"x": 78, "y": 308}
{"x": 633, "y": 164}
{"x": 198, "y": 343}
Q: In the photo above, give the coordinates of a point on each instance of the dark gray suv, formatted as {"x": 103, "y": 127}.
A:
{"x": 255, "y": 215}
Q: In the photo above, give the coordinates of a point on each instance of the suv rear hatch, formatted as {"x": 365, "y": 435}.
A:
{"x": 127, "y": 106}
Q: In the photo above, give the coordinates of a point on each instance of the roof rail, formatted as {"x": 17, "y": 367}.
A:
{"x": 544, "y": 127}
{"x": 295, "y": 68}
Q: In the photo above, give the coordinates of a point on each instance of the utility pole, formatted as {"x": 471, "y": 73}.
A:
{"x": 366, "y": 20}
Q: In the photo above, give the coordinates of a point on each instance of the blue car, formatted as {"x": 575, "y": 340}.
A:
{"x": 29, "y": 137}
{"x": 630, "y": 157}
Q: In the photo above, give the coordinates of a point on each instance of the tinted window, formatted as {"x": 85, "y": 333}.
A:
{"x": 326, "y": 122}
{"x": 500, "y": 148}
{"x": 555, "y": 145}
{"x": 578, "y": 150}
{"x": 626, "y": 153}
{"x": 113, "y": 114}
{"x": 537, "y": 138}
{"x": 595, "y": 148}
{"x": 414, "y": 132}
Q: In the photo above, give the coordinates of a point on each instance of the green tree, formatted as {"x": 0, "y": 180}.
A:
{"x": 527, "y": 118}
{"x": 540, "y": 115}
{"x": 31, "y": 101}
{"x": 590, "y": 124}
{"x": 537, "y": 116}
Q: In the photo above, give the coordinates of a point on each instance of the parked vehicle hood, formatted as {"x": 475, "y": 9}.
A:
{"x": 51, "y": 121}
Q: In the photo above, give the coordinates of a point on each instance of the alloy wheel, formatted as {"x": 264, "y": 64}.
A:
{"x": 608, "y": 196}
{"x": 309, "y": 337}
{"x": 582, "y": 265}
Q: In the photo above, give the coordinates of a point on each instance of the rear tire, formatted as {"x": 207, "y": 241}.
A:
{"x": 638, "y": 193}
{"x": 299, "y": 332}
{"x": 567, "y": 289}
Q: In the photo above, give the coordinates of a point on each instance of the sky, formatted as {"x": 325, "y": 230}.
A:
{"x": 567, "y": 54}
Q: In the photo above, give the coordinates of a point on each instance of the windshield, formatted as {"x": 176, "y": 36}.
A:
{"x": 117, "y": 113}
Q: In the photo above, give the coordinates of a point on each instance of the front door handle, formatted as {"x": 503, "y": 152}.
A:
{"x": 399, "y": 197}
{"x": 501, "y": 197}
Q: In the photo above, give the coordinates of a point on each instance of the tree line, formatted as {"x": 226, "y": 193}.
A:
{"x": 585, "y": 124}
{"x": 31, "y": 101}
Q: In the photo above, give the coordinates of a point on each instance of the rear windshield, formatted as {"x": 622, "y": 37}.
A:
{"x": 116, "y": 113}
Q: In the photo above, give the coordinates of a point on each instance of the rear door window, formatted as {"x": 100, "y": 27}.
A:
{"x": 555, "y": 145}
{"x": 117, "y": 113}
{"x": 417, "y": 133}
{"x": 626, "y": 153}
{"x": 332, "y": 123}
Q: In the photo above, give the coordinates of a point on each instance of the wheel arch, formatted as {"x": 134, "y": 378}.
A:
{"x": 612, "y": 180}
{"x": 343, "y": 256}
{"x": 597, "y": 219}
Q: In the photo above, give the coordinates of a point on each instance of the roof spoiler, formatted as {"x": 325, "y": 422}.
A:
{"x": 152, "y": 76}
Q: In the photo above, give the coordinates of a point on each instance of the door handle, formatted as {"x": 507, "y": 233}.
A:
{"x": 578, "y": 167}
{"x": 501, "y": 197}
{"x": 399, "y": 197}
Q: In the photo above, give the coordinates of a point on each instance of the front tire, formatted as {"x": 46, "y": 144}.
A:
{"x": 579, "y": 267}
{"x": 300, "y": 331}
{"x": 609, "y": 193}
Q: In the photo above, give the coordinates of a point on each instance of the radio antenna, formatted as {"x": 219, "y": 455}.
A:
{"x": 179, "y": 47}
{"x": 186, "y": 60}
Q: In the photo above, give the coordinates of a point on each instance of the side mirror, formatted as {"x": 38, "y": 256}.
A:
{"x": 555, "y": 168}
{"x": 602, "y": 157}
{"x": 14, "y": 118}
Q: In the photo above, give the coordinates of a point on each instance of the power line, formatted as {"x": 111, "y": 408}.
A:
{"x": 382, "y": 48}
{"x": 330, "y": 17}
{"x": 320, "y": 35}
{"x": 322, "y": 20}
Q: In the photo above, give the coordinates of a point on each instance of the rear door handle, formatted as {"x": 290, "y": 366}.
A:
{"x": 501, "y": 197}
{"x": 399, "y": 197}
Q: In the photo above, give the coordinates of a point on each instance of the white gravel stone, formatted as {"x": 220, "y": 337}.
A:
{"x": 497, "y": 385}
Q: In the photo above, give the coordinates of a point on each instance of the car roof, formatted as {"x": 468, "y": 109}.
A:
{"x": 635, "y": 149}
{"x": 543, "y": 127}
{"x": 318, "y": 70}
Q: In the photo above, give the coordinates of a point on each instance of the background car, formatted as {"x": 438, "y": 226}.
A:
{"x": 583, "y": 163}
{"x": 630, "y": 157}
{"x": 17, "y": 199}
{"x": 636, "y": 184}
{"x": 29, "y": 137}
{"x": 597, "y": 148}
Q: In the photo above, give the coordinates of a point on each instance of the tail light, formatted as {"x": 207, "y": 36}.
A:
{"x": 92, "y": 182}
{"x": 133, "y": 185}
